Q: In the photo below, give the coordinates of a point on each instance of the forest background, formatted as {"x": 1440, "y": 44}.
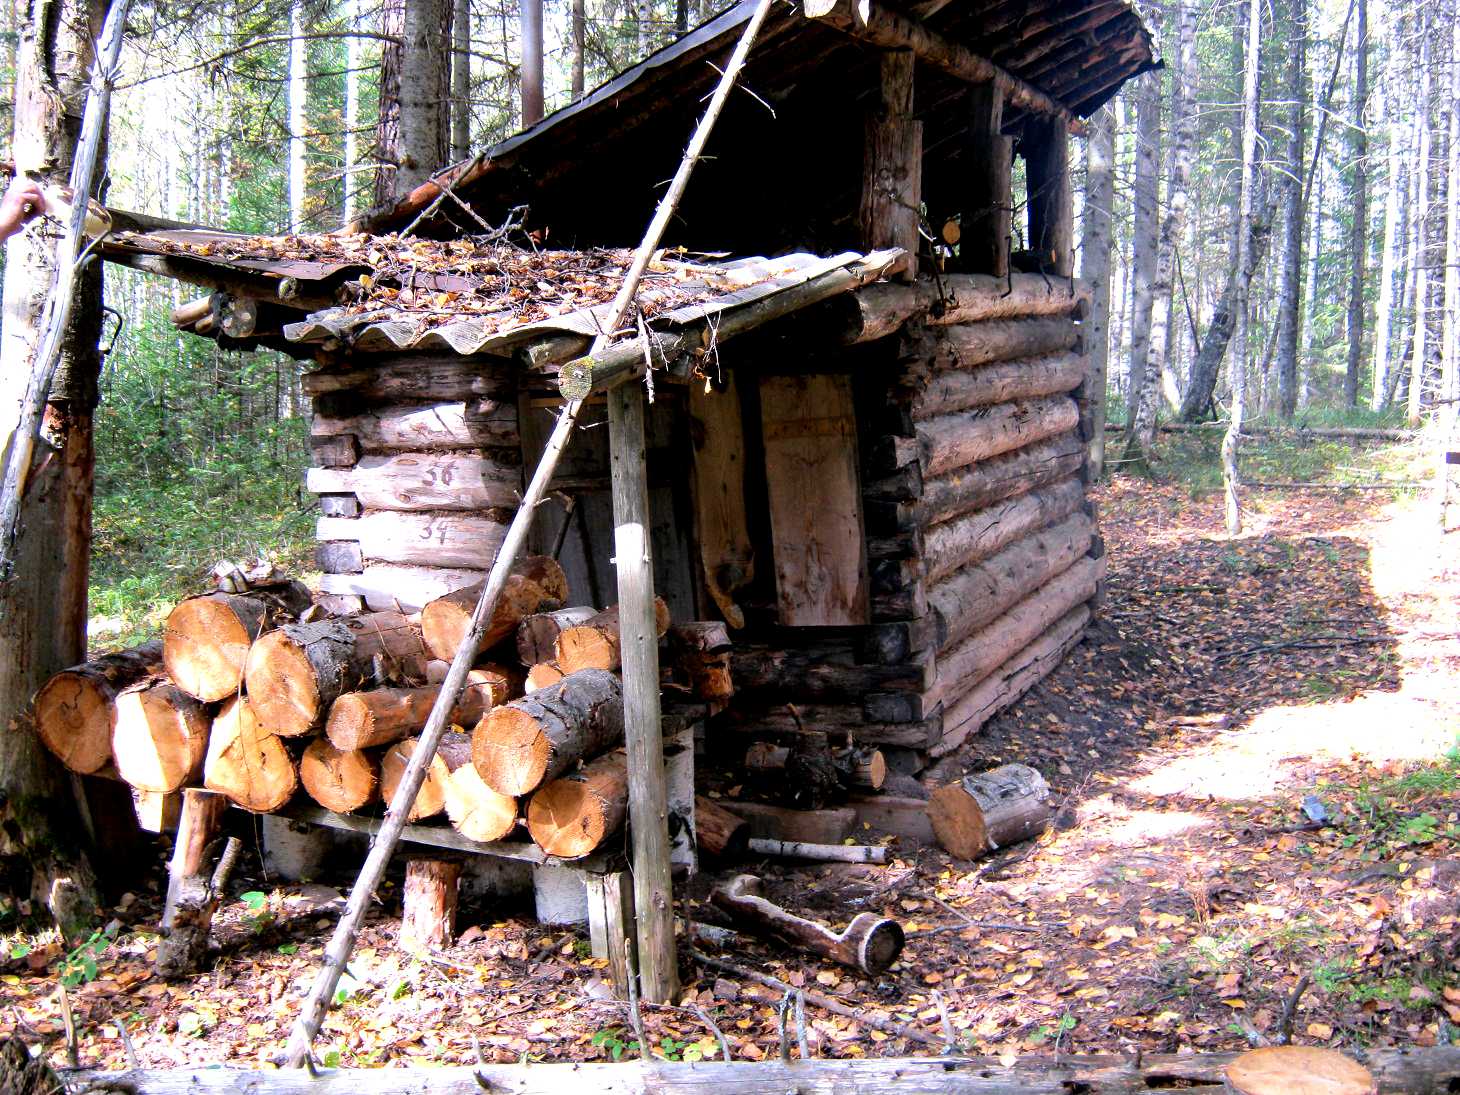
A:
{"x": 1338, "y": 304}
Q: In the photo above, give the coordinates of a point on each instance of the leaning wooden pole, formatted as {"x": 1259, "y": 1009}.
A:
{"x": 69, "y": 260}
{"x": 306, "y": 1027}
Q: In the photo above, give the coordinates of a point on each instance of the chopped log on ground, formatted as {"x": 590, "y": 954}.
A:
{"x": 1406, "y": 1071}
{"x": 538, "y": 633}
{"x": 523, "y": 744}
{"x": 1298, "y": 1070}
{"x": 542, "y": 675}
{"x": 294, "y": 673}
{"x": 193, "y": 892}
{"x": 595, "y": 644}
{"x": 246, "y": 762}
{"x": 362, "y": 720}
{"x": 206, "y": 639}
{"x": 701, "y": 649}
{"x": 719, "y": 832}
{"x": 573, "y": 816}
{"x": 342, "y": 780}
{"x": 986, "y": 811}
{"x": 474, "y": 809}
{"x": 75, "y": 710}
{"x": 160, "y": 737}
{"x": 818, "y": 853}
{"x": 452, "y": 753}
{"x": 870, "y": 943}
{"x": 428, "y": 912}
{"x": 446, "y": 620}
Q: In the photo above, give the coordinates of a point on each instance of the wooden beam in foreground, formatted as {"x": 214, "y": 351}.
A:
{"x": 1412, "y": 1071}
{"x": 892, "y": 30}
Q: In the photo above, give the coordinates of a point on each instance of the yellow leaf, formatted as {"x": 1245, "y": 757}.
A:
{"x": 1235, "y": 1002}
{"x": 1321, "y": 1031}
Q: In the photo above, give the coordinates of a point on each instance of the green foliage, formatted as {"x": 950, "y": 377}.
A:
{"x": 79, "y": 967}
{"x": 257, "y": 917}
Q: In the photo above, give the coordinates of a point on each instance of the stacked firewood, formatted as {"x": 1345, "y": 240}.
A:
{"x": 256, "y": 693}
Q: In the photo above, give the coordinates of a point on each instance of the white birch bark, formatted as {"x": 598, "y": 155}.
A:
{"x": 298, "y": 90}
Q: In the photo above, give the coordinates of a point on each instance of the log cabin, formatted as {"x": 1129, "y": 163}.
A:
{"x": 866, "y": 453}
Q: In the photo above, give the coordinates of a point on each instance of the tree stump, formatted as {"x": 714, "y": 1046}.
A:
{"x": 986, "y": 811}
{"x": 1298, "y": 1070}
{"x": 428, "y": 916}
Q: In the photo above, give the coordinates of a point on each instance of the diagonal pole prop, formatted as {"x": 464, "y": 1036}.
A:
{"x": 306, "y": 1027}
{"x": 69, "y": 260}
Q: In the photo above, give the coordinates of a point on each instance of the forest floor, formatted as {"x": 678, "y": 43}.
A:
{"x": 1182, "y": 898}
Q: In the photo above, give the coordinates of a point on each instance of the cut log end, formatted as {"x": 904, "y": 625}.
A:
{"x": 588, "y": 647}
{"x": 570, "y": 818}
{"x": 510, "y": 751}
{"x": 206, "y": 641}
{"x": 342, "y": 780}
{"x": 282, "y": 685}
{"x": 990, "y": 810}
{"x": 1298, "y": 1070}
{"x": 73, "y": 717}
{"x": 475, "y": 810}
{"x": 542, "y": 675}
{"x": 880, "y": 941}
{"x": 247, "y": 763}
{"x": 431, "y": 799}
{"x": 160, "y": 737}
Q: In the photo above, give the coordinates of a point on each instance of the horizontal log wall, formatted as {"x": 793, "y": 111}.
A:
{"x": 418, "y": 467}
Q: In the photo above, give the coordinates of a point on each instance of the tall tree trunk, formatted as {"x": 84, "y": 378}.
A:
{"x": 577, "y": 31}
{"x": 1144, "y": 229}
{"x": 1237, "y": 371}
{"x": 1098, "y": 226}
{"x": 1359, "y": 227}
{"x": 352, "y": 110}
{"x": 43, "y": 606}
{"x": 461, "y": 81}
{"x": 425, "y": 91}
{"x": 1384, "y": 315}
{"x": 1142, "y": 437}
{"x": 1290, "y": 187}
{"x": 1450, "y": 331}
{"x": 389, "y": 184}
{"x": 298, "y": 90}
{"x": 531, "y": 62}
{"x": 1419, "y": 251}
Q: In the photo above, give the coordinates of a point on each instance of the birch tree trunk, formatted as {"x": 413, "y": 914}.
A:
{"x": 298, "y": 89}
{"x": 1450, "y": 331}
{"x": 1388, "y": 264}
{"x": 1290, "y": 187}
{"x": 43, "y": 607}
{"x": 1144, "y": 228}
{"x": 351, "y": 182}
{"x": 1419, "y": 246}
{"x": 1359, "y": 227}
{"x": 1098, "y": 226}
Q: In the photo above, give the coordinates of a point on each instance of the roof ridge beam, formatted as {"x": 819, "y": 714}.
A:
{"x": 891, "y": 30}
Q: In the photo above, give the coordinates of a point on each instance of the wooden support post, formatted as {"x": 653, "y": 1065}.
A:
{"x": 187, "y": 914}
{"x": 428, "y": 916}
{"x": 892, "y": 166}
{"x": 1051, "y": 203}
{"x": 988, "y": 201}
{"x": 611, "y": 928}
{"x": 639, "y": 652}
{"x": 196, "y": 827}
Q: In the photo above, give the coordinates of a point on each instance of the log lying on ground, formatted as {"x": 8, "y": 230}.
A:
{"x": 571, "y": 817}
{"x": 538, "y": 633}
{"x": 701, "y": 649}
{"x": 986, "y": 811}
{"x": 1298, "y": 1070}
{"x": 963, "y": 540}
{"x": 362, "y": 720}
{"x": 1001, "y": 382}
{"x": 779, "y": 823}
{"x": 342, "y": 780}
{"x": 818, "y": 853}
{"x": 75, "y": 712}
{"x": 978, "y": 594}
{"x": 295, "y": 673}
{"x": 453, "y": 752}
{"x": 521, "y": 745}
{"x": 478, "y": 424}
{"x": 246, "y": 762}
{"x": 1010, "y": 681}
{"x": 474, "y": 809}
{"x": 160, "y": 736}
{"x": 595, "y": 644}
{"x": 718, "y": 831}
{"x": 445, "y": 621}
{"x": 542, "y": 675}
{"x": 206, "y": 639}
{"x": 967, "y": 437}
{"x": 1004, "y": 476}
{"x": 870, "y": 943}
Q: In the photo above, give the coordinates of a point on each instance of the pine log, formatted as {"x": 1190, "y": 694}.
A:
{"x": 870, "y": 943}
{"x": 205, "y": 644}
{"x": 246, "y": 762}
{"x": 542, "y": 675}
{"x": 536, "y": 582}
{"x": 408, "y": 377}
{"x": 957, "y": 440}
{"x": 1298, "y": 1070}
{"x": 595, "y": 643}
{"x": 362, "y": 720}
{"x": 963, "y": 540}
{"x": 1010, "y": 681}
{"x": 75, "y": 710}
{"x": 1002, "y": 382}
{"x": 719, "y": 832}
{"x": 571, "y": 817}
{"x": 981, "y": 592}
{"x": 854, "y": 720}
{"x": 387, "y": 587}
{"x": 537, "y": 633}
{"x": 160, "y": 736}
{"x": 480, "y": 423}
{"x": 971, "y": 298}
{"x": 822, "y": 674}
{"x": 701, "y": 649}
{"x": 431, "y": 799}
{"x": 474, "y": 809}
{"x": 986, "y": 811}
{"x": 430, "y": 539}
{"x": 428, "y": 903}
{"x": 866, "y": 768}
{"x": 520, "y": 746}
{"x": 420, "y": 480}
{"x": 342, "y": 780}
{"x": 964, "y": 664}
